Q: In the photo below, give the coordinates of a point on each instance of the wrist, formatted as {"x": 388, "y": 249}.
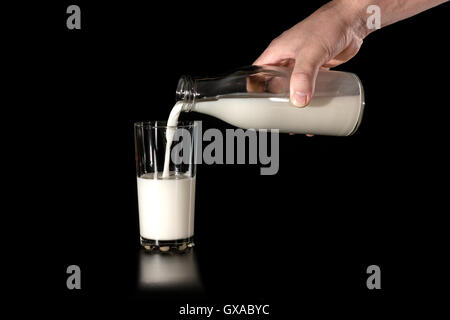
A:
{"x": 354, "y": 15}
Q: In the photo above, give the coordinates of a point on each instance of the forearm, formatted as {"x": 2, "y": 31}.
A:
{"x": 391, "y": 11}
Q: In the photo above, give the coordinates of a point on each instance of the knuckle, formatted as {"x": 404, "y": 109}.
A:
{"x": 279, "y": 40}
{"x": 275, "y": 42}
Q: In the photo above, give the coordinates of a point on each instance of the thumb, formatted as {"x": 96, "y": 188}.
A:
{"x": 304, "y": 76}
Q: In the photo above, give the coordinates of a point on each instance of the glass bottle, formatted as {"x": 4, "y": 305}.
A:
{"x": 257, "y": 97}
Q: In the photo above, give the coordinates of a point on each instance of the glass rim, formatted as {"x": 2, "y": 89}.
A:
{"x": 163, "y": 124}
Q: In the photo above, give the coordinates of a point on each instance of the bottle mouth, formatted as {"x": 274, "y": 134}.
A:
{"x": 185, "y": 90}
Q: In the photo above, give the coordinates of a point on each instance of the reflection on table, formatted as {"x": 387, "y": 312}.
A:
{"x": 168, "y": 272}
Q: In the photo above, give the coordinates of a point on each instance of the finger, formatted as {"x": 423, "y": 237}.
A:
{"x": 277, "y": 53}
{"x": 269, "y": 56}
{"x": 256, "y": 83}
{"x": 278, "y": 85}
{"x": 303, "y": 78}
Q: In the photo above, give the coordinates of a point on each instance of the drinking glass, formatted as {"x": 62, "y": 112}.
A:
{"x": 166, "y": 203}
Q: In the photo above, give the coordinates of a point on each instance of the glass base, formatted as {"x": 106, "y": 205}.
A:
{"x": 180, "y": 245}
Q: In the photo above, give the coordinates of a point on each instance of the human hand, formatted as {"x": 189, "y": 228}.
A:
{"x": 329, "y": 37}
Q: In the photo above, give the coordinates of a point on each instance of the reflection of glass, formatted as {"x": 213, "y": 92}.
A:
{"x": 160, "y": 272}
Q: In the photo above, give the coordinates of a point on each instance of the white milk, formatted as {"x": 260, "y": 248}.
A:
{"x": 170, "y": 132}
{"x": 166, "y": 206}
{"x": 337, "y": 116}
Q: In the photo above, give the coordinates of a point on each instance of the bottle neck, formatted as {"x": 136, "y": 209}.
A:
{"x": 186, "y": 92}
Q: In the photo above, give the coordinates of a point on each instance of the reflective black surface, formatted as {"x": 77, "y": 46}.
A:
{"x": 300, "y": 241}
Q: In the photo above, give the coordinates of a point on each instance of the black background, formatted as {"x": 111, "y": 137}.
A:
{"x": 300, "y": 240}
